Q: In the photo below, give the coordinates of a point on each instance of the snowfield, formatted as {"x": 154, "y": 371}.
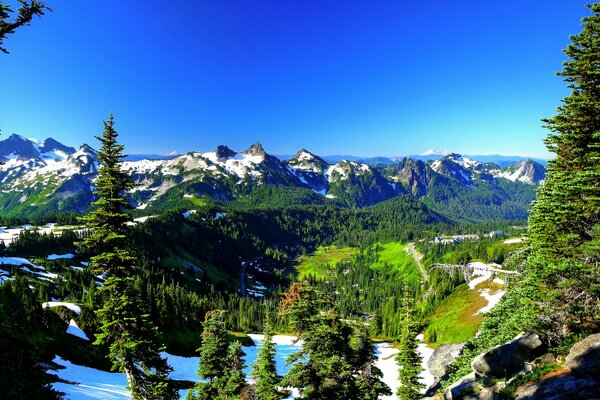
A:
{"x": 89, "y": 383}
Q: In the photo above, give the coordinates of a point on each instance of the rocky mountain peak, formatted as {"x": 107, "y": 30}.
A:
{"x": 255, "y": 150}
{"x": 19, "y": 146}
{"x": 224, "y": 152}
{"x": 51, "y": 144}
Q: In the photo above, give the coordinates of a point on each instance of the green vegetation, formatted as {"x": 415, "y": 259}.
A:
{"x": 321, "y": 262}
{"x": 125, "y": 326}
{"x": 456, "y": 319}
{"x": 557, "y": 296}
{"x": 25, "y": 14}
{"x": 408, "y": 358}
{"x": 392, "y": 255}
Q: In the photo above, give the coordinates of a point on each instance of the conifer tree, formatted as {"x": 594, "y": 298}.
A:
{"x": 564, "y": 226}
{"x": 264, "y": 369}
{"x": 327, "y": 366}
{"x": 23, "y": 368}
{"x": 234, "y": 378}
{"x": 213, "y": 358}
{"x": 124, "y": 323}
{"x": 408, "y": 359}
{"x": 368, "y": 376}
{"x": 25, "y": 13}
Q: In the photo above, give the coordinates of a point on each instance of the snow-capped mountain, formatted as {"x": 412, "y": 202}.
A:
{"x": 311, "y": 170}
{"x": 526, "y": 171}
{"x": 48, "y": 175}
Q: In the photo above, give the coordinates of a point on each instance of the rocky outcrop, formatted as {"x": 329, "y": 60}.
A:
{"x": 442, "y": 357}
{"x": 566, "y": 386}
{"x": 584, "y": 357}
{"x": 579, "y": 379}
{"x": 508, "y": 358}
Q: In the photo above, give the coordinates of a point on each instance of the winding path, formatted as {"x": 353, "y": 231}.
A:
{"x": 415, "y": 256}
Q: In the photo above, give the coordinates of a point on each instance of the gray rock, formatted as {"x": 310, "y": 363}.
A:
{"x": 584, "y": 357}
{"x": 547, "y": 358}
{"x": 466, "y": 386}
{"x": 561, "y": 387}
{"x": 442, "y": 357}
{"x": 505, "y": 359}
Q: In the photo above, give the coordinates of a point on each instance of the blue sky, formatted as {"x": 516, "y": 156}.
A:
{"x": 336, "y": 77}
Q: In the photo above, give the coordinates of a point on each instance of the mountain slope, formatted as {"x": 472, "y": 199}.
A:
{"x": 41, "y": 177}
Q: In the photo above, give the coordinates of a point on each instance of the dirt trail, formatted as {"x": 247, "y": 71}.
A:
{"x": 415, "y": 256}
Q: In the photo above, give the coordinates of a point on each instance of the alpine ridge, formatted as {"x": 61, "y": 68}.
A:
{"x": 40, "y": 177}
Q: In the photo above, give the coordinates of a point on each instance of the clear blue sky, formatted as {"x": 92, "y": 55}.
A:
{"x": 337, "y": 77}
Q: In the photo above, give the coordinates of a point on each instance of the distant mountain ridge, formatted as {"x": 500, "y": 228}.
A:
{"x": 49, "y": 176}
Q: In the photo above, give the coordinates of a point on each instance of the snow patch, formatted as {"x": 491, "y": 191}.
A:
{"x": 73, "y": 307}
{"x": 74, "y": 330}
{"x": 60, "y": 256}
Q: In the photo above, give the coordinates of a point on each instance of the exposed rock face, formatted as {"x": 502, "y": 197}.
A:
{"x": 224, "y": 152}
{"x": 505, "y": 359}
{"x": 442, "y": 357}
{"x": 584, "y": 357}
{"x": 561, "y": 387}
{"x": 470, "y": 383}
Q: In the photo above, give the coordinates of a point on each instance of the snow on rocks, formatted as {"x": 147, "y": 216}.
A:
{"x": 73, "y": 307}
{"x": 75, "y": 330}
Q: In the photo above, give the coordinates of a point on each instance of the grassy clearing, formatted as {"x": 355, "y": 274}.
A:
{"x": 321, "y": 261}
{"x": 456, "y": 319}
{"x": 393, "y": 255}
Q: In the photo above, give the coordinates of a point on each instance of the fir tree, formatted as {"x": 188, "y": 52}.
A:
{"x": 124, "y": 323}
{"x": 264, "y": 369}
{"x": 26, "y": 12}
{"x": 213, "y": 358}
{"x": 368, "y": 376}
{"x": 408, "y": 359}
{"x": 565, "y": 220}
{"x": 23, "y": 367}
{"x": 327, "y": 366}
{"x": 234, "y": 378}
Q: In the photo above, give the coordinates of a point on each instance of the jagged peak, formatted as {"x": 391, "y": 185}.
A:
{"x": 255, "y": 150}
{"x": 86, "y": 148}
{"x": 223, "y": 152}
{"x": 51, "y": 144}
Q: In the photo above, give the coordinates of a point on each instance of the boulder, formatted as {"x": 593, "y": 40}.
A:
{"x": 584, "y": 357}
{"x": 466, "y": 386}
{"x": 567, "y": 386}
{"x": 505, "y": 359}
{"x": 442, "y": 357}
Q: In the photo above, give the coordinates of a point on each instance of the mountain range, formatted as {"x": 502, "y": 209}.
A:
{"x": 41, "y": 177}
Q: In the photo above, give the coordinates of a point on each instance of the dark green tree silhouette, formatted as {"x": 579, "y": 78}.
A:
{"x": 25, "y": 14}
{"x": 565, "y": 220}
{"x": 408, "y": 358}
{"x": 234, "y": 378}
{"x": 213, "y": 364}
{"x": 264, "y": 369}
{"x": 125, "y": 325}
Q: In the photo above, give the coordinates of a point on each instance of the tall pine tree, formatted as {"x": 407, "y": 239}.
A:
{"x": 124, "y": 322}
{"x": 220, "y": 365}
{"x": 565, "y": 220}
{"x": 264, "y": 369}
{"x": 408, "y": 359}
